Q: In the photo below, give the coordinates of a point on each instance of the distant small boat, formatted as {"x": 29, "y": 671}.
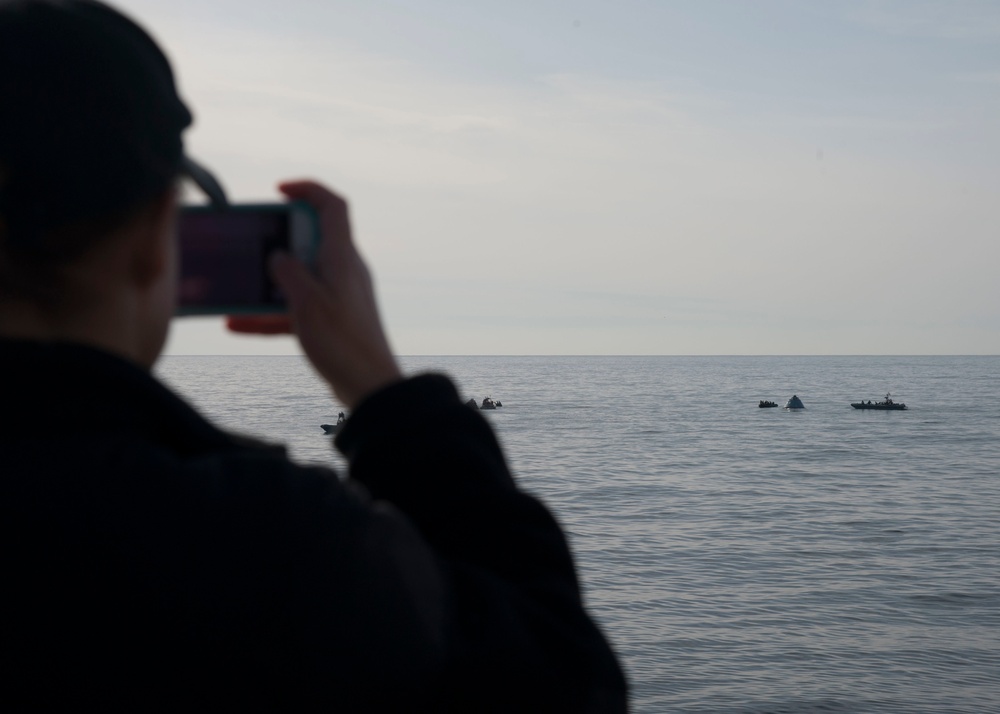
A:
{"x": 794, "y": 403}
{"x": 886, "y": 405}
{"x": 334, "y": 428}
{"x": 764, "y": 404}
{"x": 489, "y": 403}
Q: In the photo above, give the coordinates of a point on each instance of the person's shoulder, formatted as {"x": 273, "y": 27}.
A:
{"x": 248, "y": 465}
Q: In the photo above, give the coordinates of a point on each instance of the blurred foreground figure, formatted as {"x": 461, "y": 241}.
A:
{"x": 152, "y": 561}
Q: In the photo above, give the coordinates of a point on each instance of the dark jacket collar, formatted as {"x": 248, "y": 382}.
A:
{"x": 59, "y": 386}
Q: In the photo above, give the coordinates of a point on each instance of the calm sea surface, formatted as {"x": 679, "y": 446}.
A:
{"x": 739, "y": 559}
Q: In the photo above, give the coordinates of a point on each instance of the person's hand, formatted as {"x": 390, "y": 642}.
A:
{"x": 332, "y": 309}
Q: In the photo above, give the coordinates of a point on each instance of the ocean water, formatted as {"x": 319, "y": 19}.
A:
{"x": 739, "y": 559}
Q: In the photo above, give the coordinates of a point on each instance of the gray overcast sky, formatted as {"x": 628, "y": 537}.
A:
{"x": 628, "y": 177}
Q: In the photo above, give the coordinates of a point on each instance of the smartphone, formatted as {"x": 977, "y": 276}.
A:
{"x": 224, "y": 254}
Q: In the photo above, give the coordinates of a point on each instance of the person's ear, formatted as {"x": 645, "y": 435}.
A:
{"x": 153, "y": 240}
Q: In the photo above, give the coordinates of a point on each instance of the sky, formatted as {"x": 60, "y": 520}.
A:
{"x": 627, "y": 177}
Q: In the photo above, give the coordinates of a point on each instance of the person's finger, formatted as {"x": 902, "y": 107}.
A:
{"x": 259, "y": 324}
{"x": 309, "y": 191}
{"x": 335, "y": 225}
{"x": 331, "y": 207}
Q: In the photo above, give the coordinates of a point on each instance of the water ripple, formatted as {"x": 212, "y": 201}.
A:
{"x": 741, "y": 560}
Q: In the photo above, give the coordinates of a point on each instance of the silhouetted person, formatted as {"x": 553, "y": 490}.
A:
{"x": 153, "y": 561}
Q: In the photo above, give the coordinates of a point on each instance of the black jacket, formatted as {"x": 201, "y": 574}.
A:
{"x": 150, "y": 560}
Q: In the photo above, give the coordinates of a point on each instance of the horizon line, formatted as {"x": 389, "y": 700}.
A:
{"x": 428, "y": 354}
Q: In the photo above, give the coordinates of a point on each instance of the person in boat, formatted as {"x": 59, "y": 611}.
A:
{"x": 154, "y": 561}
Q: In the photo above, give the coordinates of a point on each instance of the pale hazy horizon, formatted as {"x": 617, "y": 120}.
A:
{"x": 688, "y": 177}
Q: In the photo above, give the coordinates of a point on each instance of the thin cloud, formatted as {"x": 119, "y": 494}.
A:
{"x": 951, "y": 20}
{"x": 989, "y": 78}
{"x": 590, "y": 211}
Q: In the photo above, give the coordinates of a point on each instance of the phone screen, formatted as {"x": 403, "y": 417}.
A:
{"x": 224, "y": 258}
